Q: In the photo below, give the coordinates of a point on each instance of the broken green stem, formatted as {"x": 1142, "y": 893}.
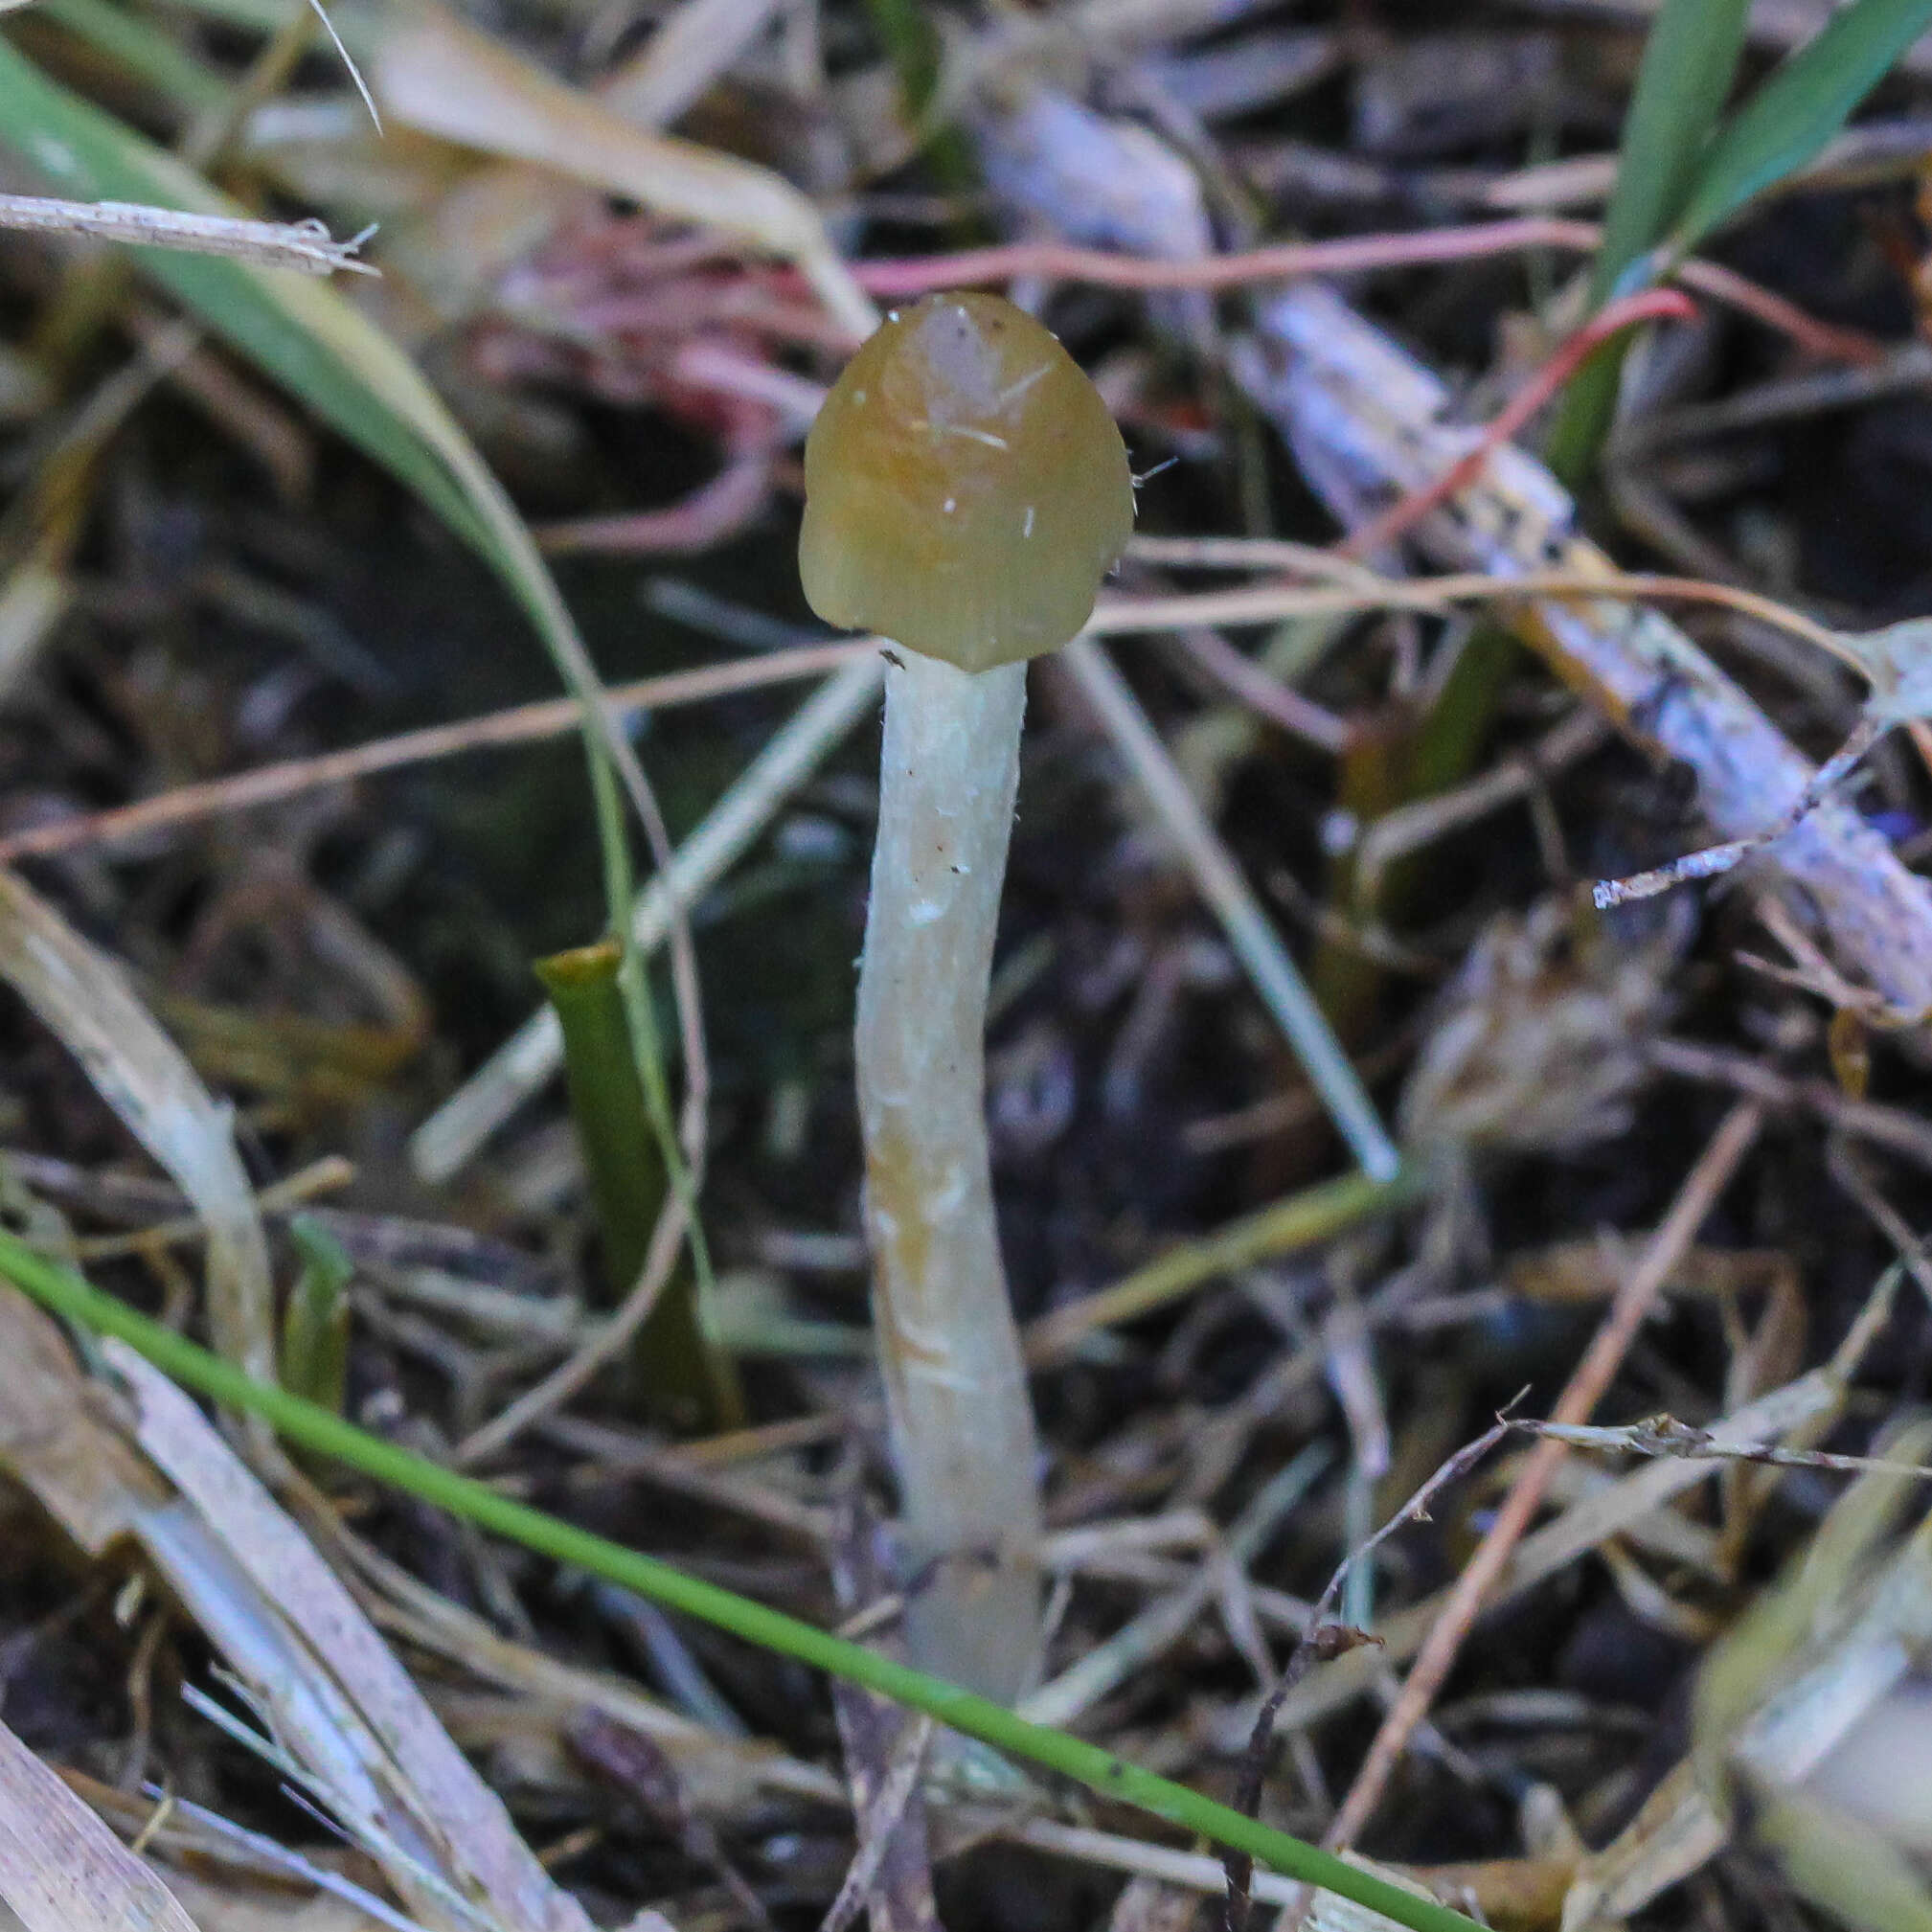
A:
{"x": 66, "y": 1294}
{"x": 683, "y": 1380}
{"x": 315, "y": 1328}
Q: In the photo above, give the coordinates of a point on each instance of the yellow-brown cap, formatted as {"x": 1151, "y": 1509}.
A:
{"x": 965, "y": 490}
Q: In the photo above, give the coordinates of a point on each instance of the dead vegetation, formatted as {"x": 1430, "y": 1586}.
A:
{"x": 1309, "y": 824}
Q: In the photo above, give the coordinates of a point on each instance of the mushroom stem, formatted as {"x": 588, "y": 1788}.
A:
{"x": 961, "y": 1420}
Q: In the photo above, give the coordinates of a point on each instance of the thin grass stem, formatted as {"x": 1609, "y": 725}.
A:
{"x": 68, "y": 1295}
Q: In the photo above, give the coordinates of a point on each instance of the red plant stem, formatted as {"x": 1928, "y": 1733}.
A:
{"x": 1061, "y": 261}
{"x": 891, "y": 279}
{"x": 1649, "y": 304}
{"x": 1825, "y": 340}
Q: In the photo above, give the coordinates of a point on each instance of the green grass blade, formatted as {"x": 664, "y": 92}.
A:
{"x": 143, "y": 49}
{"x": 1792, "y": 116}
{"x": 297, "y": 327}
{"x": 68, "y": 1295}
{"x": 315, "y": 342}
{"x": 1690, "y": 62}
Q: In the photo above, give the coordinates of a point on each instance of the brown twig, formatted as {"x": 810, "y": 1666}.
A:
{"x": 520, "y": 725}
{"x": 1322, "y": 1640}
{"x": 1593, "y": 1374}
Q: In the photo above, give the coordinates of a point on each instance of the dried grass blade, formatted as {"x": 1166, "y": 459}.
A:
{"x": 1254, "y": 940}
{"x": 440, "y": 77}
{"x": 465, "y": 1831}
{"x": 695, "y": 44}
{"x": 348, "y": 1725}
{"x": 354, "y": 1909}
{"x": 87, "y": 1477}
{"x": 56, "y": 1443}
{"x": 61, "y": 1870}
{"x": 82, "y": 995}
{"x": 304, "y": 246}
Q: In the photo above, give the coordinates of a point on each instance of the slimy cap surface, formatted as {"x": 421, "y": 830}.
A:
{"x": 965, "y": 488}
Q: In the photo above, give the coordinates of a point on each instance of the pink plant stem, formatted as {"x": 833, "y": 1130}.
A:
{"x": 895, "y": 279}
{"x": 1651, "y": 305}
{"x": 1061, "y": 261}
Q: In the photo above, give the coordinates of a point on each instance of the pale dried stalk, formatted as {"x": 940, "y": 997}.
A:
{"x": 267, "y": 1855}
{"x": 520, "y": 724}
{"x": 1367, "y": 421}
{"x": 84, "y": 998}
{"x": 957, "y": 1407}
{"x": 304, "y": 246}
{"x": 347, "y": 1720}
{"x": 1255, "y": 942}
{"x": 61, "y": 1869}
{"x": 339, "y": 1703}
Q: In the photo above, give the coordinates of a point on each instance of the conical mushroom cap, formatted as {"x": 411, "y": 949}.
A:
{"x": 965, "y": 487}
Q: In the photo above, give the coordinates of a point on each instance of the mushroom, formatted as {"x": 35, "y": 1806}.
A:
{"x": 965, "y": 491}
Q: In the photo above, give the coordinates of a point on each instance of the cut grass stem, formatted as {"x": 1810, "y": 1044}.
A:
{"x": 682, "y": 1379}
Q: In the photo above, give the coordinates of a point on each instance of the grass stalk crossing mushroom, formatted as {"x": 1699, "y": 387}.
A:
{"x": 965, "y": 493}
